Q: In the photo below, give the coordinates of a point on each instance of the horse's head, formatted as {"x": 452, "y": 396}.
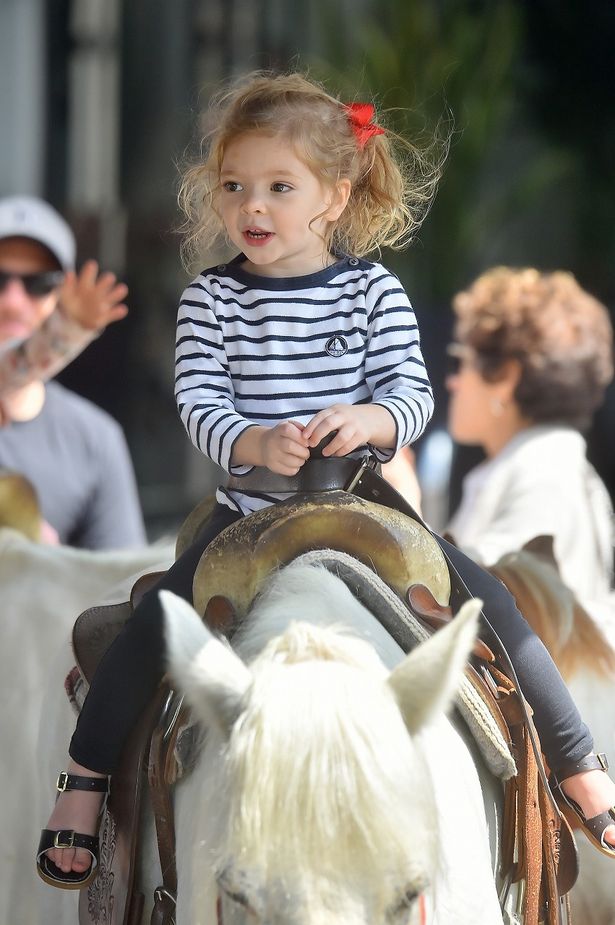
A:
{"x": 319, "y": 802}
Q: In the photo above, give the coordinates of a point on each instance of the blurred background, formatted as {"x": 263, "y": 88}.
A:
{"x": 100, "y": 100}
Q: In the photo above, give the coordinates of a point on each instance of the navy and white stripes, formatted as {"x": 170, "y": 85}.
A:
{"x": 259, "y": 350}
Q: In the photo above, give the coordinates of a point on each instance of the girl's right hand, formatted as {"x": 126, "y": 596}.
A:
{"x": 284, "y": 448}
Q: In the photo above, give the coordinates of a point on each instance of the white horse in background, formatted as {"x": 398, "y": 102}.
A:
{"x": 581, "y": 641}
{"x": 330, "y": 788}
{"x": 44, "y": 589}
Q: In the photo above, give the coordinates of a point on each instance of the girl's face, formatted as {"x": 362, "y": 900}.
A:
{"x": 275, "y": 210}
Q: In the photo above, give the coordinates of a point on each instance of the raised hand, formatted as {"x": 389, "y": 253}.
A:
{"x": 91, "y": 299}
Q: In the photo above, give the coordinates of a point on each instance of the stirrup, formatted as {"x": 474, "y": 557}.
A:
{"x": 594, "y": 827}
{"x": 68, "y": 838}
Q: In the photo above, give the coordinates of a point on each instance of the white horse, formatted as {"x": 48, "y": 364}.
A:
{"x": 331, "y": 788}
{"x": 44, "y": 589}
{"x": 583, "y": 648}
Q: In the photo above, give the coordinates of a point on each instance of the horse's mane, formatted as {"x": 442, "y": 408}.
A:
{"x": 573, "y": 638}
{"x": 321, "y": 760}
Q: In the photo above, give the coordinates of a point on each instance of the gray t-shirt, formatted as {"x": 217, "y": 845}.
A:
{"x": 76, "y": 456}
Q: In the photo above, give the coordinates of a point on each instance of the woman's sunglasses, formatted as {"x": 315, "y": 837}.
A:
{"x": 35, "y": 284}
{"x": 456, "y": 356}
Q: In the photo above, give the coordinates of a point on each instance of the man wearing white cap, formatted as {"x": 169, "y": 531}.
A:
{"x": 73, "y": 452}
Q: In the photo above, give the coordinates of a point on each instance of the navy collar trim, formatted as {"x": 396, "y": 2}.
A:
{"x": 309, "y": 281}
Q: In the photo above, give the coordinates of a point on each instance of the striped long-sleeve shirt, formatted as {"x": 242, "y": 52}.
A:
{"x": 255, "y": 350}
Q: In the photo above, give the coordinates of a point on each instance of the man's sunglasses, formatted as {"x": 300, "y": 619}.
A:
{"x": 35, "y": 284}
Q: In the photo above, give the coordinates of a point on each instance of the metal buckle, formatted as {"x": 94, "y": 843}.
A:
{"x": 366, "y": 462}
{"x": 603, "y": 761}
{"x": 160, "y": 893}
{"x": 490, "y": 682}
{"x": 62, "y": 783}
{"x": 58, "y": 844}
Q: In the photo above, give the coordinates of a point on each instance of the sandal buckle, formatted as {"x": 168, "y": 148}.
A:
{"x": 64, "y": 844}
{"x": 62, "y": 782}
{"x": 603, "y": 761}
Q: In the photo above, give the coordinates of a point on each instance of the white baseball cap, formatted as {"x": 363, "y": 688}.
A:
{"x": 29, "y": 217}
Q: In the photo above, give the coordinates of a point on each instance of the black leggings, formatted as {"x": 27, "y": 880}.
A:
{"x": 132, "y": 668}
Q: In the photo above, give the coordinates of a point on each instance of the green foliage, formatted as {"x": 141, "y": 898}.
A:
{"x": 435, "y": 67}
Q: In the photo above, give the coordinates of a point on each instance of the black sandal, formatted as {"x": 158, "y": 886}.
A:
{"x": 595, "y": 827}
{"x": 67, "y": 838}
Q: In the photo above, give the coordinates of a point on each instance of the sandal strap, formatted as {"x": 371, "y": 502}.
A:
{"x": 588, "y": 763}
{"x": 68, "y": 781}
{"x": 67, "y": 838}
{"x": 597, "y": 825}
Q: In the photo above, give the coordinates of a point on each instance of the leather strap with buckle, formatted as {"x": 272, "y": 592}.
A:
{"x": 79, "y": 782}
{"x": 68, "y": 838}
{"x": 592, "y": 762}
{"x": 335, "y": 474}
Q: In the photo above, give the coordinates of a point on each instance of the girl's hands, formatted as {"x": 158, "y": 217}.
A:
{"x": 356, "y": 425}
{"x": 284, "y": 448}
{"x": 91, "y": 300}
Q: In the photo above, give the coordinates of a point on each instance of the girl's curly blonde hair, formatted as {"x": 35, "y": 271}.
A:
{"x": 393, "y": 181}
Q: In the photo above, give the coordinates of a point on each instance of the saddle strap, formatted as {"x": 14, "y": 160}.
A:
{"x": 529, "y": 836}
{"x": 546, "y": 853}
{"x": 552, "y": 858}
{"x": 522, "y": 841}
{"x": 161, "y": 777}
{"x": 163, "y": 912}
{"x": 320, "y": 474}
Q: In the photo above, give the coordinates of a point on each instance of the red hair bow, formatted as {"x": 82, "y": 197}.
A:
{"x": 360, "y": 116}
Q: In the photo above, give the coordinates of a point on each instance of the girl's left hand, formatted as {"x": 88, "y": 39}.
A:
{"x": 91, "y": 300}
{"x": 350, "y": 422}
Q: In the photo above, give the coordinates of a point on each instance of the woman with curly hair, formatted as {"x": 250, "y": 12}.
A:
{"x": 533, "y": 354}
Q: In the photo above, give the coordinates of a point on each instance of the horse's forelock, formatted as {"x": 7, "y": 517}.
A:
{"x": 320, "y": 745}
{"x": 299, "y": 592}
{"x": 305, "y": 642}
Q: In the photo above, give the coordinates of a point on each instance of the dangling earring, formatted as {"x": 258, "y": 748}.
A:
{"x": 497, "y": 407}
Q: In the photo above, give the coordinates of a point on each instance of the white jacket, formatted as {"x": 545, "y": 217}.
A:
{"x": 540, "y": 483}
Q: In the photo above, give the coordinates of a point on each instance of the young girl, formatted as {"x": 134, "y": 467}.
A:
{"x": 296, "y": 338}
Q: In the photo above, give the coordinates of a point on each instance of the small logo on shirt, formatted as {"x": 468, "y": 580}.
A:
{"x": 336, "y": 346}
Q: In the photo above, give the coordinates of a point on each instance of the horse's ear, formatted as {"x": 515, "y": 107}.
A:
{"x": 543, "y": 548}
{"x": 427, "y": 680}
{"x": 208, "y": 672}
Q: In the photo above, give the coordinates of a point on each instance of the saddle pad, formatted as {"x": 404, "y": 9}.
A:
{"x": 407, "y": 632}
